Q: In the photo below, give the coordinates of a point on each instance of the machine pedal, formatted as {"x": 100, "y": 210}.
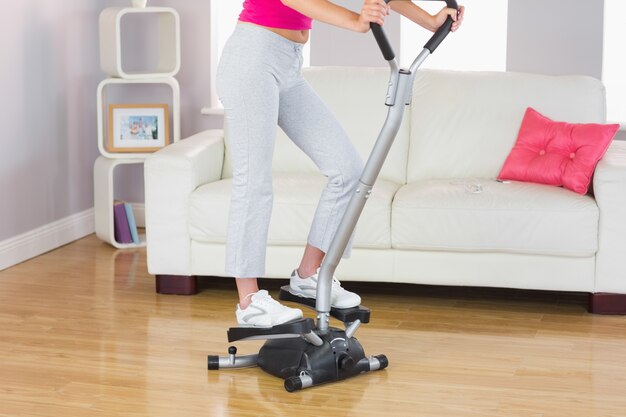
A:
{"x": 294, "y": 328}
{"x": 346, "y": 315}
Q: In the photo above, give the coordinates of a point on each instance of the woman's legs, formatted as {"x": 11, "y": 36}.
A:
{"x": 314, "y": 129}
{"x": 248, "y": 89}
{"x": 246, "y": 287}
{"x": 311, "y": 260}
{"x": 259, "y": 83}
{"x": 251, "y": 118}
{"x": 253, "y": 69}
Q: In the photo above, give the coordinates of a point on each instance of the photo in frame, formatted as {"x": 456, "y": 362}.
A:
{"x": 138, "y": 127}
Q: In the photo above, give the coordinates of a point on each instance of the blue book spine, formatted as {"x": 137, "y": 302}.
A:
{"x": 132, "y": 224}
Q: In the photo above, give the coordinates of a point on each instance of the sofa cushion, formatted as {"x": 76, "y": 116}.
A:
{"x": 295, "y": 199}
{"x": 464, "y": 124}
{"x": 557, "y": 153}
{"x": 482, "y": 215}
{"x": 356, "y": 96}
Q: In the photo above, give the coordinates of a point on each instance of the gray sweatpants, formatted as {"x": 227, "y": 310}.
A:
{"x": 260, "y": 85}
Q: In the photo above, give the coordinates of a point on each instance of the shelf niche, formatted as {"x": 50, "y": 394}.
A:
{"x": 117, "y": 31}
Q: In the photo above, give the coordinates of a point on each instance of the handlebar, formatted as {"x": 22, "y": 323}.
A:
{"x": 431, "y": 45}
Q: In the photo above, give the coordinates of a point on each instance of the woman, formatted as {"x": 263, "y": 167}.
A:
{"x": 260, "y": 85}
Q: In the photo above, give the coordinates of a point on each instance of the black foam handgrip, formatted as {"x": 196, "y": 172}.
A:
{"x": 383, "y": 41}
{"x": 440, "y": 35}
{"x": 443, "y": 31}
{"x": 431, "y": 45}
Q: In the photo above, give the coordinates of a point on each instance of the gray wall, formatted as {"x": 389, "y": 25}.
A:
{"x": 544, "y": 36}
{"x": 193, "y": 79}
{"x": 557, "y": 37}
{"x": 50, "y": 70}
{"x": 49, "y": 74}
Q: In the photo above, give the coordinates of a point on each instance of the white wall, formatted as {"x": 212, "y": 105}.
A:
{"x": 614, "y": 60}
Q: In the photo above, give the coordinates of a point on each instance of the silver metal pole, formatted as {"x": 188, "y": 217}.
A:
{"x": 360, "y": 196}
{"x": 313, "y": 339}
{"x": 419, "y": 60}
{"x": 233, "y": 362}
{"x": 374, "y": 364}
{"x": 352, "y": 328}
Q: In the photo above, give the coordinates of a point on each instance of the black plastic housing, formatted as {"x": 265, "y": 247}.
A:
{"x": 338, "y": 358}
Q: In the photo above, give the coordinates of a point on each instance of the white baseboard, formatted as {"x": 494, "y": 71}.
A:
{"x": 46, "y": 238}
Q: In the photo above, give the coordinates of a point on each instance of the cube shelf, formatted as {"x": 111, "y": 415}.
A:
{"x": 104, "y": 198}
{"x": 115, "y": 23}
{"x": 111, "y": 21}
{"x": 101, "y": 96}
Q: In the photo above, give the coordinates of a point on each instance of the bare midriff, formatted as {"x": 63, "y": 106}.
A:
{"x": 299, "y": 36}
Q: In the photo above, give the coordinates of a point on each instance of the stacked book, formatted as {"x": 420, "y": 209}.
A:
{"x": 124, "y": 224}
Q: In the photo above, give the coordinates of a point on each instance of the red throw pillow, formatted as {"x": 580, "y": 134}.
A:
{"x": 557, "y": 153}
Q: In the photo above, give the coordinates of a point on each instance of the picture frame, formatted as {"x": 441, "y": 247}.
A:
{"x": 140, "y": 128}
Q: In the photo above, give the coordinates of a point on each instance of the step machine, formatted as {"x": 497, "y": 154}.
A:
{"x": 302, "y": 352}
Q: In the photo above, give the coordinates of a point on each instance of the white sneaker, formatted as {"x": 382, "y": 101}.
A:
{"x": 264, "y": 311}
{"x": 307, "y": 287}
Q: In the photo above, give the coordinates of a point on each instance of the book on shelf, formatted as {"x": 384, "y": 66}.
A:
{"x": 132, "y": 223}
{"x": 122, "y": 225}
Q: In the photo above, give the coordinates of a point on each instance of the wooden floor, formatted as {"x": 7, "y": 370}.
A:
{"x": 82, "y": 333}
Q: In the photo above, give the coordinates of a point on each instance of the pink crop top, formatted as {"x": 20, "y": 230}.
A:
{"x": 273, "y": 14}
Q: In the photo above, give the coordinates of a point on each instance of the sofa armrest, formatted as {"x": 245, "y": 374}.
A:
{"x": 609, "y": 185}
{"x": 171, "y": 175}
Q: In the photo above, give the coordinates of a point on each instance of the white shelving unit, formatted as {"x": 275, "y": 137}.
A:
{"x": 111, "y": 42}
{"x": 103, "y": 173}
{"x": 112, "y": 21}
{"x": 102, "y": 100}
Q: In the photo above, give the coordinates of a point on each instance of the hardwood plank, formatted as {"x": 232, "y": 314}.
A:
{"x": 83, "y": 333}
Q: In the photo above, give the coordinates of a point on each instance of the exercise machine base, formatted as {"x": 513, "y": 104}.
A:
{"x": 303, "y": 364}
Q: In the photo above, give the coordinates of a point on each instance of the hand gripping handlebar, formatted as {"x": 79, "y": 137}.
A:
{"x": 431, "y": 45}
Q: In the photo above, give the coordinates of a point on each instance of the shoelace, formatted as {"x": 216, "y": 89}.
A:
{"x": 266, "y": 300}
{"x": 337, "y": 285}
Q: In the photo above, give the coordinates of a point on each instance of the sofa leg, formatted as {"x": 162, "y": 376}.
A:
{"x": 176, "y": 284}
{"x": 607, "y": 303}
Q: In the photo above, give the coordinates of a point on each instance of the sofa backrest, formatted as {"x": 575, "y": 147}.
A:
{"x": 464, "y": 124}
{"x": 357, "y": 97}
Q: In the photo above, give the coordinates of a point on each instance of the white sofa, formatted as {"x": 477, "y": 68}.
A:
{"x": 437, "y": 215}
